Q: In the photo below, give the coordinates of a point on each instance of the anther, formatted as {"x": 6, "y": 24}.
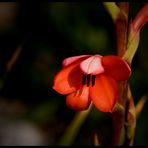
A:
{"x": 88, "y": 80}
{"x": 93, "y": 80}
{"x": 83, "y": 79}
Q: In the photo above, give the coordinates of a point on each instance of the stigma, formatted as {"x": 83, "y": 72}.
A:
{"x": 88, "y": 80}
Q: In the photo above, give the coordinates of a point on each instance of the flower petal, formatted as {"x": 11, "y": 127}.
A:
{"x": 104, "y": 93}
{"x": 70, "y": 60}
{"x": 79, "y": 100}
{"x": 92, "y": 65}
{"x": 68, "y": 79}
{"x": 116, "y": 67}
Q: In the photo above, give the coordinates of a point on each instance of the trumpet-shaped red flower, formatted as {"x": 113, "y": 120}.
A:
{"x": 89, "y": 78}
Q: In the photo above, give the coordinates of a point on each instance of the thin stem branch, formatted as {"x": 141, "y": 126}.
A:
{"x": 112, "y": 9}
{"x": 121, "y": 28}
{"x": 72, "y": 130}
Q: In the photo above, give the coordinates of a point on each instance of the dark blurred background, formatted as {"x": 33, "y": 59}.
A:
{"x": 34, "y": 40}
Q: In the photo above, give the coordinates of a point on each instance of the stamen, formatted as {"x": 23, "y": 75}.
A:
{"x": 93, "y": 80}
{"x": 83, "y": 79}
{"x": 88, "y": 80}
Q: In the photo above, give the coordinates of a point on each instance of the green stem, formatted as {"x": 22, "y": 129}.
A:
{"x": 112, "y": 9}
{"x": 131, "y": 49}
{"x": 72, "y": 130}
{"x": 118, "y": 117}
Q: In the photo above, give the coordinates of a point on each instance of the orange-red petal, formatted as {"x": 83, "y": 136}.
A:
{"x": 70, "y": 60}
{"x": 79, "y": 100}
{"x": 92, "y": 65}
{"x": 116, "y": 67}
{"x": 68, "y": 79}
{"x": 104, "y": 93}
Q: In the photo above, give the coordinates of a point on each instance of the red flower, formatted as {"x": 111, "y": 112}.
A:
{"x": 89, "y": 78}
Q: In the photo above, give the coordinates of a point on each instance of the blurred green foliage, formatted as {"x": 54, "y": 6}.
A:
{"x": 51, "y": 32}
